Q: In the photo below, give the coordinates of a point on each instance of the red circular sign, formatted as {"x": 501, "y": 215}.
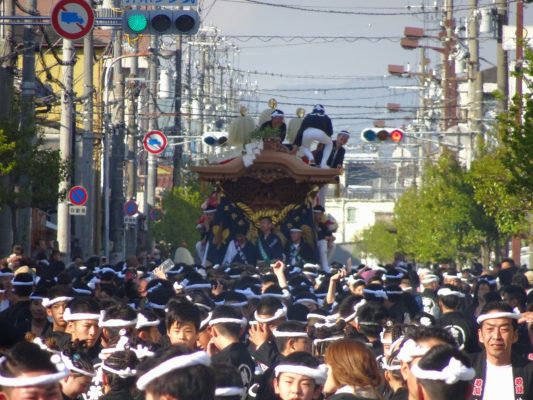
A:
{"x": 78, "y": 195}
{"x": 155, "y": 142}
{"x": 72, "y": 19}
{"x": 131, "y": 208}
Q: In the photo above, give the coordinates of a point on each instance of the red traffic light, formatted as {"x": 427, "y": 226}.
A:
{"x": 396, "y": 135}
{"x": 382, "y": 135}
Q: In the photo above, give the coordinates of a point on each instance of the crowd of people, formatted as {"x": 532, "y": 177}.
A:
{"x": 288, "y": 330}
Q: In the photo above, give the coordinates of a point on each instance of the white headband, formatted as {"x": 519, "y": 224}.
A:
{"x": 149, "y": 304}
{"x": 115, "y": 322}
{"x": 494, "y": 315}
{"x": 19, "y": 283}
{"x": 410, "y": 349}
{"x": 187, "y": 360}
{"x": 70, "y": 365}
{"x": 143, "y": 322}
{"x": 280, "y": 312}
{"x": 62, "y": 372}
{"x": 355, "y": 311}
{"x": 240, "y": 321}
{"x": 50, "y": 302}
{"x": 68, "y": 316}
{"x": 449, "y": 292}
{"x": 82, "y": 291}
{"x": 123, "y": 373}
{"x": 318, "y": 374}
{"x": 317, "y": 316}
{"x": 376, "y": 293}
{"x": 280, "y": 334}
{"x": 229, "y": 391}
{"x": 429, "y": 278}
{"x": 455, "y": 371}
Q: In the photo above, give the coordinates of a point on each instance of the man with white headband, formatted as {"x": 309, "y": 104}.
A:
{"x": 500, "y": 373}
{"x": 227, "y": 326}
{"x": 177, "y": 374}
{"x": 27, "y": 372}
{"x": 455, "y": 321}
{"x": 443, "y": 373}
{"x": 55, "y": 303}
{"x": 300, "y": 376}
{"x": 277, "y": 122}
{"x": 416, "y": 345}
{"x": 82, "y": 317}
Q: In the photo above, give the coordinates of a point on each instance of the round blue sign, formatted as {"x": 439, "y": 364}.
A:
{"x": 131, "y": 208}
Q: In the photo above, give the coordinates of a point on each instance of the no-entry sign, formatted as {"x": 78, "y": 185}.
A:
{"x": 72, "y": 19}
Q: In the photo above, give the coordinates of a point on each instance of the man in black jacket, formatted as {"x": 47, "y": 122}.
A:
{"x": 316, "y": 127}
{"x": 277, "y": 122}
{"x": 500, "y": 373}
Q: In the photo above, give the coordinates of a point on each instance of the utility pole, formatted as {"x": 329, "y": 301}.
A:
{"x": 116, "y": 228}
{"x": 84, "y": 229}
{"x": 178, "y": 150}
{"x": 65, "y": 144}
{"x": 7, "y": 72}
{"x": 449, "y": 82}
{"x": 501, "y": 57}
{"x": 131, "y": 163}
{"x": 151, "y": 178}
{"x": 27, "y": 124}
{"x": 475, "y": 85}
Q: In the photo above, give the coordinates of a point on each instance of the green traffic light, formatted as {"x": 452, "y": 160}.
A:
{"x": 137, "y": 22}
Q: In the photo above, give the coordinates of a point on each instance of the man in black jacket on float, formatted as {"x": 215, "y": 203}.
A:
{"x": 316, "y": 127}
{"x": 500, "y": 373}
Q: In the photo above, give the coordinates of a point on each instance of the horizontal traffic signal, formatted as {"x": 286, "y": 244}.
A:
{"x": 215, "y": 138}
{"x": 160, "y": 22}
{"x": 382, "y": 134}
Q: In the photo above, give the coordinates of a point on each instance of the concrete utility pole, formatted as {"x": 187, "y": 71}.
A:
{"x": 116, "y": 165}
{"x": 449, "y": 81}
{"x": 65, "y": 144}
{"x": 475, "y": 84}
{"x": 131, "y": 163}
{"x": 501, "y": 57}
{"x": 178, "y": 150}
{"x": 151, "y": 178}
{"x": 7, "y": 69}
{"x": 85, "y": 225}
{"x": 27, "y": 124}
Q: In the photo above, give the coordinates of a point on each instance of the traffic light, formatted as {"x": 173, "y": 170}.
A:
{"x": 160, "y": 22}
{"x": 382, "y": 134}
{"x": 215, "y": 138}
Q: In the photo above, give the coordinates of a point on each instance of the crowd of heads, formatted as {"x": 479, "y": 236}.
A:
{"x": 243, "y": 331}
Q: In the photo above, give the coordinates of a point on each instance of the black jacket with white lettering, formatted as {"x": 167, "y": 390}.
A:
{"x": 522, "y": 376}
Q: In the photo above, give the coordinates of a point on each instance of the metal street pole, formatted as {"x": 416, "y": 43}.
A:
{"x": 475, "y": 86}
{"x": 502, "y": 70}
{"x": 65, "y": 144}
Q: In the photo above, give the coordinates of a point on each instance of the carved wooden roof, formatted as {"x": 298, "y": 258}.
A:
{"x": 269, "y": 166}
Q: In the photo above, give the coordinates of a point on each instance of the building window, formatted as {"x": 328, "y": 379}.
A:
{"x": 351, "y": 215}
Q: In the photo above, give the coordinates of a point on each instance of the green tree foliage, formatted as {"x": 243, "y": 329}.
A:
{"x": 517, "y": 135}
{"x": 379, "y": 241}
{"x": 181, "y": 210}
{"x": 31, "y": 171}
{"x": 440, "y": 221}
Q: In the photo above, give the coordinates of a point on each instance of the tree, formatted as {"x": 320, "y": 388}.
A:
{"x": 440, "y": 221}
{"x": 181, "y": 208}
{"x": 380, "y": 241}
{"x": 30, "y": 172}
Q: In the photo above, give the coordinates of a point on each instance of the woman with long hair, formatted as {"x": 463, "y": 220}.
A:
{"x": 353, "y": 372}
